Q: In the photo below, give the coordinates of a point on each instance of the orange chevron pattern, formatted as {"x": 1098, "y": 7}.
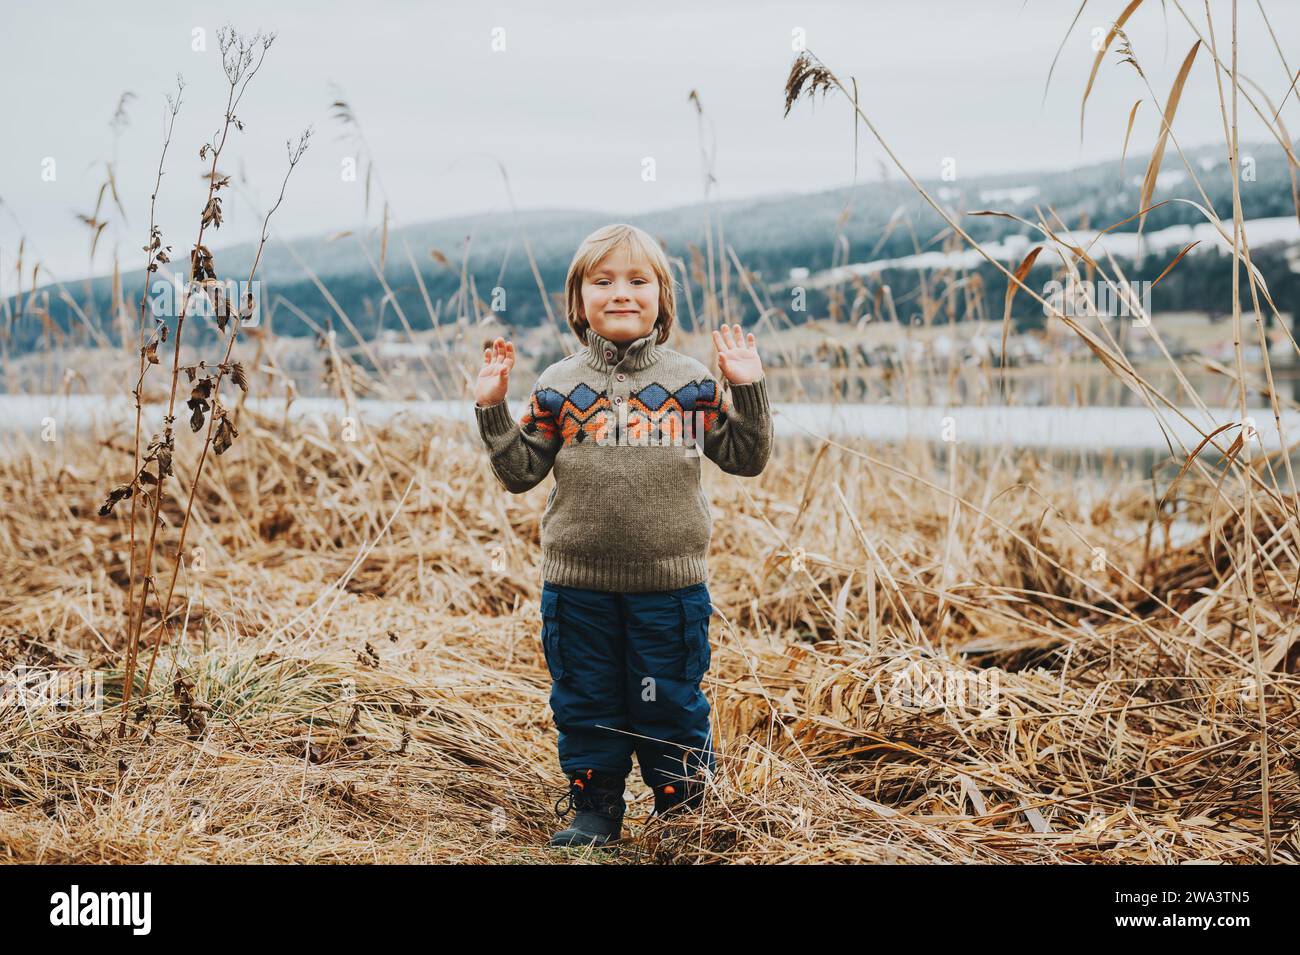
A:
{"x": 550, "y": 413}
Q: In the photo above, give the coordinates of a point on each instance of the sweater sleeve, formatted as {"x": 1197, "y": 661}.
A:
{"x": 738, "y": 429}
{"x": 521, "y": 452}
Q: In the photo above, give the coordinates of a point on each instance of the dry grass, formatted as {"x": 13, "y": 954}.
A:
{"x": 365, "y": 687}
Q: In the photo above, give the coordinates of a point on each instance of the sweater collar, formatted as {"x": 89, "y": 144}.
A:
{"x": 602, "y": 354}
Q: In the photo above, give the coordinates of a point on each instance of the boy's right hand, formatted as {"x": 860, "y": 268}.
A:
{"x": 494, "y": 377}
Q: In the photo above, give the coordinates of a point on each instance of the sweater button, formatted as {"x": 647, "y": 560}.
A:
{"x": 621, "y": 377}
{"x": 608, "y": 355}
{"x": 618, "y": 399}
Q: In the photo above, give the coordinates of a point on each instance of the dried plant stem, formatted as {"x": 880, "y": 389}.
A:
{"x": 1249, "y": 542}
{"x": 294, "y": 156}
{"x": 174, "y": 108}
{"x": 238, "y": 76}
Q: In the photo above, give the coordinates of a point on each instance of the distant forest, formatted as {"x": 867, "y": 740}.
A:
{"x": 771, "y": 236}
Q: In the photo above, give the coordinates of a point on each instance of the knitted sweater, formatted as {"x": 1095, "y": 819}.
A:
{"x": 627, "y": 512}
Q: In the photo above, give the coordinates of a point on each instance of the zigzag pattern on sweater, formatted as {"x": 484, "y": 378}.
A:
{"x": 581, "y": 414}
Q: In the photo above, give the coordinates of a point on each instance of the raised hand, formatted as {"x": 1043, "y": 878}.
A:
{"x": 494, "y": 377}
{"x": 737, "y": 356}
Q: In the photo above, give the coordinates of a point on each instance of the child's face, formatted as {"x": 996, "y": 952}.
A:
{"x": 620, "y": 297}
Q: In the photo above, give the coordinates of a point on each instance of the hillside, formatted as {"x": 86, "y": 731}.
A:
{"x": 771, "y": 236}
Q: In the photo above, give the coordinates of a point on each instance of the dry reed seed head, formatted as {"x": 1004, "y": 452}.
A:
{"x": 805, "y": 72}
{"x": 639, "y": 244}
{"x": 1125, "y": 51}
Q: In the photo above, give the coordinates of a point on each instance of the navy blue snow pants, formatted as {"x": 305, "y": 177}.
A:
{"x": 625, "y": 678}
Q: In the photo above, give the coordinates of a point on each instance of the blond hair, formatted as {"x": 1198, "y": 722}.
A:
{"x": 601, "y": 243}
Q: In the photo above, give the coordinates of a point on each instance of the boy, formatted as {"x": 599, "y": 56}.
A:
{"x": 625, "y": 534}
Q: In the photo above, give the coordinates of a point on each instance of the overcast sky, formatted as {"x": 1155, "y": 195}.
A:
{"x": 580, "y": 96}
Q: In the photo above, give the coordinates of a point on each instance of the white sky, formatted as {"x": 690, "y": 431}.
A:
{"x": 581, "y": 94}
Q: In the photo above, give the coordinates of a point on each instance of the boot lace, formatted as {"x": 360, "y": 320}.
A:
{"x": 568, "y": 796}
{"x": 584, "y": 794}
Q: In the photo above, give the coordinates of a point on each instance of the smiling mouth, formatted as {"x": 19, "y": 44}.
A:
{"x": 625, "y": 311}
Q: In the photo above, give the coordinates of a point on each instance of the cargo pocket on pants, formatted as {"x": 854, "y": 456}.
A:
{"x": 697, "y": 609}
{"x": 551, "y": 648}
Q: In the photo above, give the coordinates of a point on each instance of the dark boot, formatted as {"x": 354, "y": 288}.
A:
{"x": 678, "y": 796}
{"x": 598, "y": 799}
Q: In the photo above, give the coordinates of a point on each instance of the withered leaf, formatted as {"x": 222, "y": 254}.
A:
{"x": 201, "y": 264}
{"x": 119, "y": 493}
{"x": 225, "y": 435}
{"x": 217, "y": 295}
{"x": 1157, "y": 155}
{"x": 188, "y": 711}
{"x": 212, "y": 213}
{"x": 151, "y": 352}
{"x": 198, "y": 406}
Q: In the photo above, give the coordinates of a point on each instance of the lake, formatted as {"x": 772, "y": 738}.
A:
{"x": 1117, "y": 429}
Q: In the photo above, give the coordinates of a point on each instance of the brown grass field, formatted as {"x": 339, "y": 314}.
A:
{"x": 349, "y": 679}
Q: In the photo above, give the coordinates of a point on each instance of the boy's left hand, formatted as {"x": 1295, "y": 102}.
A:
{"x": 737, "y": 356}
